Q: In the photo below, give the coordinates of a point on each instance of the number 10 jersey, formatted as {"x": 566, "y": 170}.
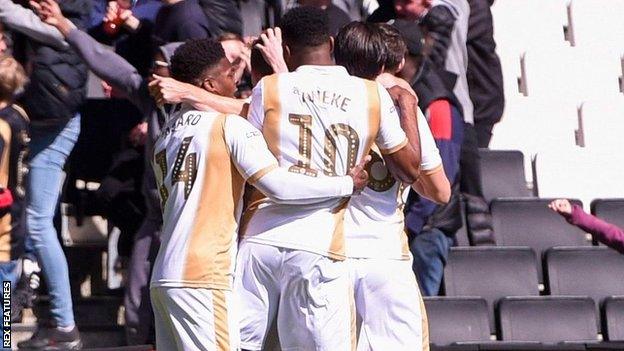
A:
{"x": 318, "y": 121}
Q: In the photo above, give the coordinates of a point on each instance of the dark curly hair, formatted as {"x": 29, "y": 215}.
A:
{"x": 193, "y": 58}
{"x": 361, "y": 49}
{"x": 305, "y": 26}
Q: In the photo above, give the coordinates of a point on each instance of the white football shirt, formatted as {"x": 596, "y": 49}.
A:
{"x": 318, "y": 121}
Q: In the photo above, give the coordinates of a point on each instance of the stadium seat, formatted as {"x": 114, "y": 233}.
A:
{"x": 534, "y": 124}
{"x": 614, "y": 318}
{"x": 597, "y": 272}
{"x": 529, "y": 222}
{"x": 547, "y": 319}
{"x": 457, "y": 319}
{"x": 611, "y": 210}
{"x": 601, "y": 123}
{"x": 575, "y": 74}
{"x": 579, "y": 173}
{"x": 596, "y": 26}
{"x": 502, "y": 174}
{"x": 462, "y": 233}
{"x": 492, "y": 273}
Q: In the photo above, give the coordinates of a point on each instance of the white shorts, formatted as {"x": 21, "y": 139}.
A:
{"x": 388, "y": 305}
{"x": 311, "y": 292}
{"x": 194, "y": 319}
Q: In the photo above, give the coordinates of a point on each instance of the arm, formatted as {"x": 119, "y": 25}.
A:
{"x": 259, "y": 167}
{"x": 170, "y": 91}
{"x": 105, "y": 63}
{"x": 26, "y": 22}
{"x": 398, "y": 137}
{"x": 604, "y": 232}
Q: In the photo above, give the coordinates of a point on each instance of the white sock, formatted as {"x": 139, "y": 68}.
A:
{"x": 66, "y": 329}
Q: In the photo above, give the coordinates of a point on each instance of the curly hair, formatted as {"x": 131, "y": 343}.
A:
{"x": 305, "y": 26}
{"x": 193, "y": 58}
{"x": 360, "y": 48}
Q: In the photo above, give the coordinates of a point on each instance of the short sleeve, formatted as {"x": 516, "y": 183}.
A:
{"x": 255, "y": 116}
{"x": 248, "y": 150}
{"x": 430, "y": 155}
{"x": 391, "y": 137}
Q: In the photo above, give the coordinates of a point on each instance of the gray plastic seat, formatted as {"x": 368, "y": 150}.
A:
{"x": 547, "y": 319}
{"x": 502, "y": 174}
{"x": 614, "y": 318}
{"x": 492, "y": 273}
{"x": 457, "y": 319}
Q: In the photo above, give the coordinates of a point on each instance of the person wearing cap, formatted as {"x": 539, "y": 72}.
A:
{"x": 431, "y": 227}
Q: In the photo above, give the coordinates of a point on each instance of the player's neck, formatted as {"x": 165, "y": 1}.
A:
{"x": 315, "y": 59}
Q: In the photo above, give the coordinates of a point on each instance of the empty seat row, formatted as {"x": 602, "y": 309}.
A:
{"x": 546, "y": 319}
{"x": 494, "y": 273}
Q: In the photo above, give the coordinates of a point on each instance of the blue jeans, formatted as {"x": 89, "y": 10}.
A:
{"x": 430, "y": 249}
{"x": 9, "y": 272}
{"x": 49, "y": 150}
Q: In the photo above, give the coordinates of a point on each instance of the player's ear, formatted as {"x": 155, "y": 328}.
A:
{"x": 401, "y": 65}
{"x": 331, "y": 44}
{"x": 286, "y": 54}
{"x": 209, "y": 85}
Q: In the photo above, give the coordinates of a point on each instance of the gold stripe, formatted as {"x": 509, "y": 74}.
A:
{"x": 425, "y": 321}
{"x": 337, "y": 245}
{"x": 255, "y": 198}
{"x": 261, "y": 173}
{"x": 222, "y": 330}
{"x": 212, "y": 237}
{"x": 394, "y": 149}
{"x": 374, "y": 113}
{"x": 429, "y": 172}
{"x": 353, "y": 318}
{"x": 272, "y": 111}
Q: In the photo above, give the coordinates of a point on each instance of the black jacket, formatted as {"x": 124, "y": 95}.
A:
{"x": 58, "y": 78}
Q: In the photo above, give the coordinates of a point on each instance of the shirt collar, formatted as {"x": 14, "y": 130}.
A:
{"x": 323, "y": 69}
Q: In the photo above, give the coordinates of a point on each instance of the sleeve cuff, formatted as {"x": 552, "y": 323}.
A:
{"x": 394, "y": 149}
{"x": 261, "y": 173}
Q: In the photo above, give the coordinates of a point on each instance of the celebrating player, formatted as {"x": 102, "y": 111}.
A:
{"x": 201, "y": 162}
{"x": 386, "y": 293}
{"x": 317, "y": 120}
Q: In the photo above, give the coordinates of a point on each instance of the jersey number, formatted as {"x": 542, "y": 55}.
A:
{"x": 305, "y": 146}
{"x": 186, "y": 176}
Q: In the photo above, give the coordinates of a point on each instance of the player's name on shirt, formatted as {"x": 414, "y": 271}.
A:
{"x": 188, "y": 119}
{"x": 323, "y": 98}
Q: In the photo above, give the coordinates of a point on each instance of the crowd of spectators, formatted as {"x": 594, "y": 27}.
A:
{"x": 443, "y": 49}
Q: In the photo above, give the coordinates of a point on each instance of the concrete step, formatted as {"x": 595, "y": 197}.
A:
{"x": 88, "y": 311}
{"x": 92, "y": 337}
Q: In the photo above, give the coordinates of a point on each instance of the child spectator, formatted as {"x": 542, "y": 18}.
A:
{"x": 602, "y": 231}
{"x": 13, "y": 148}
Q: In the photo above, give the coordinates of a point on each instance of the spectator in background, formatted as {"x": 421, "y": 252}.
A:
{"x": 180, "y": 20}
{"x": 337, "y": 17}
{"x": 124, "y": 77}
{"x": 237, "y": 51}
{"x": 224, "y": 14}
{"x": 13, "y": 149}
{"x": 358, "y": 10}
{"x": 485, "y": 77}
{"x": 602, "y": 231}
{"x": 431, "y": 227}
{"x": 51, "y": 100}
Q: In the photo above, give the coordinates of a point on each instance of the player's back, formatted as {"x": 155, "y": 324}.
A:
{"x": 201, "y": 194}
{"x": 318, "y": 121}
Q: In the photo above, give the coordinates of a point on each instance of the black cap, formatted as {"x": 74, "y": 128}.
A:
{"x": 412, "y": 35}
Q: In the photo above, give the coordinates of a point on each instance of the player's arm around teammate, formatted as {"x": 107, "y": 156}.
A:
{"x": 432, "y": 184}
